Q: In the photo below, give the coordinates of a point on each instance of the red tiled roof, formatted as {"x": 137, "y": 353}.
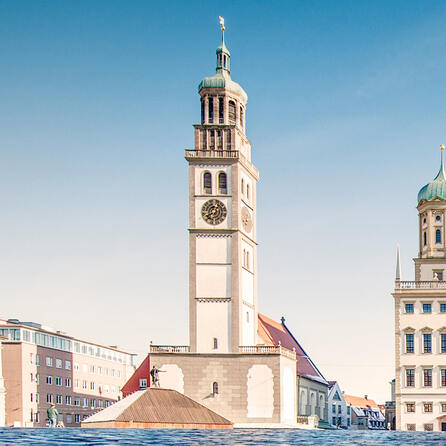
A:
{"x": 331, "y": 384}
{"x": 272, "y": 332}
{"x": 357, "y": 401}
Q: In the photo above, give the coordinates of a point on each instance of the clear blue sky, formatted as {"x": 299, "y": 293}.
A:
{"x": 346, "y": 113}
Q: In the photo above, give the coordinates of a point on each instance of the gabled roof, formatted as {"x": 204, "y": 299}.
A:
{"x": 331, "y": 384}
{"x": 273, "y": 333}
{"x": 357, "y": 401}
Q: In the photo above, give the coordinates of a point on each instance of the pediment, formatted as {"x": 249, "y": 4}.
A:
{"x": 409, "y": 330}
{"x": 426, "y": 330}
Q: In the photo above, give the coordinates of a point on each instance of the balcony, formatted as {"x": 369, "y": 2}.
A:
{"x": 169, "y": 348}
{"x": 214, "y": 153}
{"x": 420, "y": 285}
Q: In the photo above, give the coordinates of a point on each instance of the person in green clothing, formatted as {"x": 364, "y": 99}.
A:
{"x": 52, "y": 415}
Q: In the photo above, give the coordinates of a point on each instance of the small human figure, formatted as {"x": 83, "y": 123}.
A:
{"x": 154, "y": 373}
{"x": 52, "y": 414}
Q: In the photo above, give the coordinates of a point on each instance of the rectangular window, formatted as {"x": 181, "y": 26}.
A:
{"x": 211, "y": 110}
{"x": 348, "y": 410}
{"x": 142, "y": 383}
{"x": 67, "y": 382}
{"x": 77, "y": 418}
{"x": 410, "y": 407}
{"x": 219, "y": 140}
{"x": 85, "y": 402}
{"x": 58, "y": 381}
{"x": 69, "y": 418}
{"x": 212, "y": 139}
{"x": 443, "y": 407}
{"x": 427, "y": 407}
{"x": 339, "y": 409}
{"x": 37, "y": 360}
{"x": 49, "y": 380}
{"x": 443, "y": 377}
{"x": 427, "y": 377}
{"x": 443, "y": 308}
{"x": 37, "y": 378}
{"x": 427, "y": 308}
{"x": 410, "y": 377}
{"x": 409, "y": 308}
{"x": 411, "y": 427}
{"x": 76, "y": 366}
{"x": 333, "y": 421}
{"x": 427, "y": 343}
{"x": 333, "y": 409}
{"x": 443, "y": 342}
{"x": 59, "y": 399}
{"x": 49, "y": 361}
{"x": 107, "y": 403}
{"x": 84, "y": 384}
{"x": 49, "y": 397}
{"x": 58, "y": 363}
{"x": 92, "y": 403}
{"x": 68, "y": 400}
{"x": 92, "y": 369}
{"x": 409, "y": 343}
{"x": 221, "y": 118}
{"x": 228, "y": 140}
{"x": 67, "y": 365}
{"x": 77, "y": 401}
{"x": 429, "y": 427}
{"x": 91, "y": 385}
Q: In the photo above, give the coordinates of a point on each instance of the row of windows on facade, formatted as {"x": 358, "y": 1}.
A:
{"x": 216, "y": 139}
{"x": 428, "y": 427}
{"x": 427, "y": 343}
{"x": 427, "y": 308}
{"x": 58, "y": 380}
{"x": 437, "y": 237}
{"x": 232, "y": 115}
{"x": 337, "y": 421}
{"x": 427, "y": 377}
{"x": 78, "y": 402}
{"x": 339, "y": 409}
{"x": 68, "y": 418}
{"x": 437, "y": 219}
{"x": 222, "y": 183}
{"x": 59, "y": 365}
{"x": 59, "y": 343}
{"x": 426, "y": 406}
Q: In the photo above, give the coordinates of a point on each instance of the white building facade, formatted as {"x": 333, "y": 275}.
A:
{"x": 339, "y": 413}
{"x": 420, "y": 320}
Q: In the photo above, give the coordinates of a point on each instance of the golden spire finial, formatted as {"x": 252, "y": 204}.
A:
{"x": 442, "y": 147}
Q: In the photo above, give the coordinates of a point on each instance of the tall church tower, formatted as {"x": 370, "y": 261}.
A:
{"x": 222, "y": 218}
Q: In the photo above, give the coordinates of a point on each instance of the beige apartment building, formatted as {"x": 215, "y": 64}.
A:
{"x": 420, "y": 320}
{"x": 42, "y": 366}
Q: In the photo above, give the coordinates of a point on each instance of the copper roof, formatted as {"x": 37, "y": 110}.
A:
{"x": 158, "y": 406}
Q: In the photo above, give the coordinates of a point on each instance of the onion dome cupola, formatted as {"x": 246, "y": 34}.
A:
{"x": 436, "y": 189}
{"x": 222, "y": 77}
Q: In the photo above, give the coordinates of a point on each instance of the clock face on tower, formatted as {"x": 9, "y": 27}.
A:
{"x": 246, "y": 219}
{"x": 213, "y": 212}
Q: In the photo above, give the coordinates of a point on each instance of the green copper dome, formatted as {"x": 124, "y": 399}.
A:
{"x": 222, "y": 78}
{"x": 436, "y": 188}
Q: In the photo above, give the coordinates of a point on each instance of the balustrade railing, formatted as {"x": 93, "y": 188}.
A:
{"x": 214, "y": 153}
{"x": 422, "y": 284}
{"x": 277, "y": 349}
{"x": 169, "y": 348}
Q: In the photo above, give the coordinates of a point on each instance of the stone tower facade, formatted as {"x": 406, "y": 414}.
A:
{"x": 420, "y": 320}
{"x": 222, "y": 219}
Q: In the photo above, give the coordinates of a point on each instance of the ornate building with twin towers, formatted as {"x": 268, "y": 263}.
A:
{"x": 239, "y": 363}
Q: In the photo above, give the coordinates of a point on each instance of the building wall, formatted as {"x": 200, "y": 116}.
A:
{"x": 252, "y": 388}
{"x": 2, "y": 391}
{"x": 339, "y": 414}
{"x": 312, "y": 398}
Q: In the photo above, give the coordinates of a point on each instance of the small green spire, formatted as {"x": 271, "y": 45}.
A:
{"x": 223, "y": 54}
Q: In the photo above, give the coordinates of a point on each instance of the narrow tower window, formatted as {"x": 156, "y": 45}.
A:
{"x": 247, "y": 191}
{"x": 207, "y": 183}
{"x": 247, "y": 259}
{"x": 211, "y": 110}
{"x": 212, "y": 139}
{"x": 215, "y": 388}
{"x": 203, "y": 140}
{"x": 224, "y": 58}
{"x": 222, "y": 188}
{"x": 202, "y": 111}
{"x": 228, "y": 140}
{"x": 231, "y": 112}
{"x": 241, "y": 117}
{"x": 219, "y": 140}
{"x": 221, "y": 109}
{"x": 438, "y": 236}
{"x": 215, "y": 343}
{"x": 424, "y": 239}
{"x": 243, "y": 186}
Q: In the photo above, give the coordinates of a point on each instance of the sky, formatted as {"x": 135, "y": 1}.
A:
{"x": 346, "y": 114}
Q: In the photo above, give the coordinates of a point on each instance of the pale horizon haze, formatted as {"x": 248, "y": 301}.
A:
{"x": 346, "y": 113}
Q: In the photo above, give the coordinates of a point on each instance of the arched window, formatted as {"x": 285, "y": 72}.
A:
{"x": 243, "y": 187}
{"x": 215, "y": 344}
{"x": 438, "y": 236}
{"x": 231, "y": 112}
{"x": 241, "y": 116}
{"x": 221, "y": 109}
{"x": 215, "y": 388}
{"x": 222, "y": 183}
{"x": 212, "y": 139}
{"x": 219, "y": 140}
{"x": 211, "y": 110}
{"x": 203, "y": 140}
{"x": 424, "y": 239}
{"x": 247, "y": 191}
{"x": 228, "y": 140}
{"x": 207, "y": 183}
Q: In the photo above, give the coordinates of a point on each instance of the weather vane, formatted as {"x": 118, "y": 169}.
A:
{"x": 222, "y": 27}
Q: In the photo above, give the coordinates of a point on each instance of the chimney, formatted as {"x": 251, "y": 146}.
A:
{"x": 366, "y": 396}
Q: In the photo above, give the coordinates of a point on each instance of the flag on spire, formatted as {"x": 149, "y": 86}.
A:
{"x": 222, "y": 22}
